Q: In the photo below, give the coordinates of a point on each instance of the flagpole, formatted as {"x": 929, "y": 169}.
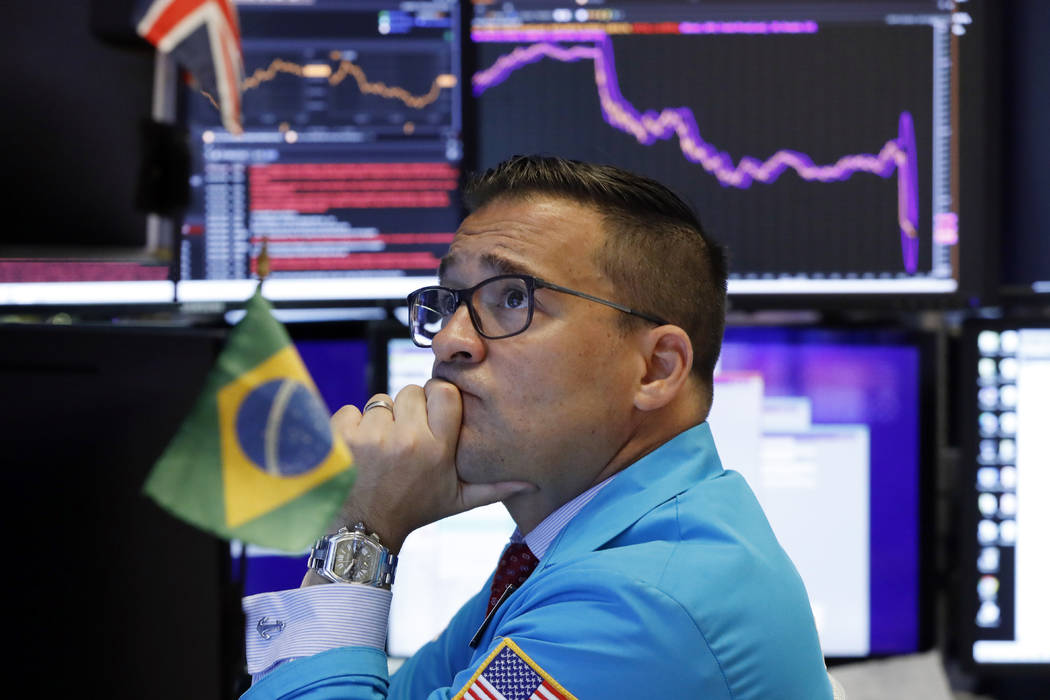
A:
{"x": 239, "y": 681}
{"x": 262, "y": 264}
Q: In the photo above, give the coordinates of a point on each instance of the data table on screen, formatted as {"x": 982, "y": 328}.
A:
{"x": 348, "y": 170}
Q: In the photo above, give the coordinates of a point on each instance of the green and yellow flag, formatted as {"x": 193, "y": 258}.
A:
{"x": 256, "y": 459}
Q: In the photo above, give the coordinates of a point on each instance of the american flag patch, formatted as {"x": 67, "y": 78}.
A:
{"x": 508, "y": 674}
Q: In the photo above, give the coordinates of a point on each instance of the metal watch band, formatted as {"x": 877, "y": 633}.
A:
{"x": 321, "y": 554}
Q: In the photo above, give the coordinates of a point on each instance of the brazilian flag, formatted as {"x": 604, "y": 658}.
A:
{"x": 256, "y": 459}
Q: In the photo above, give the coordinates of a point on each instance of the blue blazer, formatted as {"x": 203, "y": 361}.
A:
{"x": 669, "y": 583}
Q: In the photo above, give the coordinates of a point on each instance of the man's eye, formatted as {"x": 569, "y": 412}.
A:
{"x": 515, "y": 299}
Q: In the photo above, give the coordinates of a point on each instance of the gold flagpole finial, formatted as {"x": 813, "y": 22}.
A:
{"x": 262, "y": 263}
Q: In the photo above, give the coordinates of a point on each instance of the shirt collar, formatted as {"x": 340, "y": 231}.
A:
{"x": 540, "y": 538}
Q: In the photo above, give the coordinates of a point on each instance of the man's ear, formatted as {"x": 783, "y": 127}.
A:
{"x": 669, "y": 362}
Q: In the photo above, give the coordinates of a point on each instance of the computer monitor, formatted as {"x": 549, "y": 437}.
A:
{"x": 86, "y": 280}
{"x": 820, "y": 141}
{"x": 826, "y": 426}
{"x": 76, "y": 237}
{"x": 348, "y": 169}
{"x": 1004, "y": 489}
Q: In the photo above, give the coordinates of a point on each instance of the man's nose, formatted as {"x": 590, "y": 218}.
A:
{"x": 458, "y": 340}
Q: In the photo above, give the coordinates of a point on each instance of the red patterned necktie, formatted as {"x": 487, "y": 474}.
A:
{"x": 514, "y": 567}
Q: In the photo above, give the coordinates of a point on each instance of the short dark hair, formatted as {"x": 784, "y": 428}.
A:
{"x": 655, "y": 252}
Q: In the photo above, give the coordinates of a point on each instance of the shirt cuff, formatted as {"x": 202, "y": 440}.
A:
{"x": 306, "y": 621}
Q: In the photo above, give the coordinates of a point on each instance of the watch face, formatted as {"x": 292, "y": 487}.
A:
{"x": 354, "y": 561}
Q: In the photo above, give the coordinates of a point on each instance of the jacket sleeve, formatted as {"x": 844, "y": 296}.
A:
{"x": 360, "y": 673}
{"x": 593, "y": 633}
{"x": 346, "y": 673}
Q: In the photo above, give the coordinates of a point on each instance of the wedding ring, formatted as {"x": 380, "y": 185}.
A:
{"x": 379, "y": 403}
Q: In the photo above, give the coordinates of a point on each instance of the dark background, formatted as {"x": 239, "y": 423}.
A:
{"x": 73, "y": 104}
{"x": 103, "y": 589}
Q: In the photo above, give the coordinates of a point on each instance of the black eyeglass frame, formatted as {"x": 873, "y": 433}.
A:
{"x": 465, "y": 296}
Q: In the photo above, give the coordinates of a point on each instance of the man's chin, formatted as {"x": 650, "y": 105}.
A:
{"x": 476, "y": 469}
{"x": 471, "y": 476}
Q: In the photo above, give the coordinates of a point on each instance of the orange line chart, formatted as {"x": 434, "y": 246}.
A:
{"x": 348, "y": 69}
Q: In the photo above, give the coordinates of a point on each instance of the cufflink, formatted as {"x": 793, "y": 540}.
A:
{"x": 268, "y": 628}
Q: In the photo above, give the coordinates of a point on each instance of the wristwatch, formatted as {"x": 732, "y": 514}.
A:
{"x": 352, "y": 556}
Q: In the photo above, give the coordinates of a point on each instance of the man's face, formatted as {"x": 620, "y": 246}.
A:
{"x": 552, "y": 405}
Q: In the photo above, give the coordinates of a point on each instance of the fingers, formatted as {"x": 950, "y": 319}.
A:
{"x": 444, "y": 410}
{"x": 345, "y": 421}
{"x": 405, "y": 458}
{"x": 438, "y": 405}
{"x": 379, "y": 405}
{"x": 410, "y": 405}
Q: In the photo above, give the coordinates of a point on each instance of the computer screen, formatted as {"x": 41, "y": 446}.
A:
{"x": 349, "y": 165}
{"x": 820, "y": 141}
{"x": 824, "y": 424}
{"x": 1004, "y": 490}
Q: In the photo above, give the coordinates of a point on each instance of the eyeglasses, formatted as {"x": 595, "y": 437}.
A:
{"x": 499, "y": 307}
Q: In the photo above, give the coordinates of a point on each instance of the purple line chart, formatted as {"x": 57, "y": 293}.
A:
{"x": 818, "y": 155}
{"x": 896, "y": 155}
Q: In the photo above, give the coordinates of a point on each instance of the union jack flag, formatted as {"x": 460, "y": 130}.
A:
{"x": 508, "y": 674}
{"x": 202, "y": 35}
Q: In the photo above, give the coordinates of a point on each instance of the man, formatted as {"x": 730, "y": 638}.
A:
{"x": 575, "y": 334}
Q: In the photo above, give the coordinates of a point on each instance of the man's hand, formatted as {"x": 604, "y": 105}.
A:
{"x": 406, "y": 463}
